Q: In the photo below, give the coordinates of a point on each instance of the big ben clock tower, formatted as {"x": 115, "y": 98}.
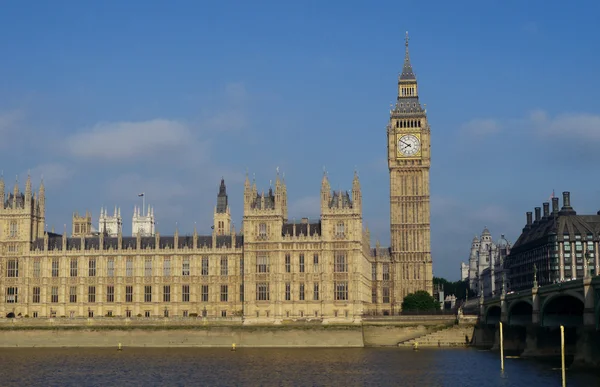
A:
{"x": 409, "y": 159}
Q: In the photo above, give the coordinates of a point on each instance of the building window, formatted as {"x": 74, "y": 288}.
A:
{"x": 73, "y": 294}
{"x": 204, "y": 293}
{"x": 129, "y": 293}
{"x": 301, "y": 263}
{"x": 241, "y": 293}
{"x": 341, "y": 266}
{"x": 167, "y": 293}
{"x": 92, "y": 267}
{"x": 262, "y": 291}
{"x": 339, "y": 229}
{"x": 316, "y": 291}
{"x": 316, "y": 263}
{"x": 386, "y": 295}
{"x": 185, "y": 293}
{"x": 128, "y": 313}
{"x": 147, "y": 293}
{"x": 13, "y": 268}
{"x": 262, "y": 230}
{"x": 14, "y": 229}
{"x": 11, "y": 295}
{"x": 373, "y": 272}
{"x": 54, "y": 294}
{"x": 386, "y": 271}
{"x": 110, "y": 267}
{"x": 288, "y": 263}
{"x": 374, "y": 294}
{"x": 167, "y": 267}
{"x": 224, "y": 266}
{"x": 204, "y": 265}
{"x": 185, "y": 266}
{"x": 148, "y": 267}
{"x": 36, "y": 295}
{"x": 224, "y": 289}
{"x": 223, "y": 313}
{"x": 91, "y": 294}
{"x": 301, "y": 295}
{"x": 288, "y": 291}
{"x": 54, "y": 267}
{"x": 147, "y": 313}
{"x": 129, "y": 267}
{"x": 166, "y": 313}
{"x": 262, "y": 264}
{"x": 37, "y": 267}
{"x": 341, "y": 291}
{"x": 73, "y": 267}
{"x": 110, "y": 293}
{"x": 185, "y": 313}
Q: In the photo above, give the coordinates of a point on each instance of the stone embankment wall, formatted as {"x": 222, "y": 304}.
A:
{"x": 110, "y": 332}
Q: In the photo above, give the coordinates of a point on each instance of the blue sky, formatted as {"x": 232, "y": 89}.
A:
{"x": 108, "y": 99}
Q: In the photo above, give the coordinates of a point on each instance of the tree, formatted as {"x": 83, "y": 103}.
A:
{"x": 419, "y": 301}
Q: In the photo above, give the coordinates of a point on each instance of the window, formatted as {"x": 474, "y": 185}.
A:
{"x": 340, "y": 263}
{"x": 341, "y": 291}
{"x": 316, "y": 291}
{"x": 148, "y": 267}
{"x": 339, "y": 229}
{"x": 262, "y": 264}
{"x": 73, "y": 294}
{"x": 54, "y": 294}
{"x": 262, "y": 291}
{"x": 167, "y": 267}
{"x": 185, "y": 266}
{"x": 110, "y": 293}
{"x": 374, "y": 294}
{"x": 316, "y": 263}
{"x": 223, "y": 265}
{"x": 301, "y": 291}
{"x": 374, "y": 272}
{"x": 288, "y": 263}
{"x": 224, "y": 293}
{"x": 37, "y": 267}
{"x": 185, "y": 293}
{"x": 301, "y": 263}
{"x": 147, "y": 293}
{"x": 204, "y": 265}
{"x": 167, "y": 293}
{"x": 386, "y": 295}
{"x": 14, "y": 229}
{"x": 386, "y": 271}
{"x": 262, "y": 230}
{"x": 36, "y": 295}
{"x": 241, "y": 293}
{"x": 204, "y": 293}
{"x": 54, "y": 267}
{"x": 11, "y": 295}
{"x": 185, "y": 313}
{"x": 147, "y": 313}
{"x": 128, "y": 313}
{"x": 73, "y": 267}
{"x": 92, "y": 267}
{"x": 242, "y": 266}
{"x": 91, "y": 294}
{"x": 288, "y": 291}
{"x": 223, "y": 313}
{"x": 13, "y": 268}
{"x": 129, "y": 267}
{"x": 166, "y": 313}
{"x": 129, "y": 293}
{"x": 110, "y": 267}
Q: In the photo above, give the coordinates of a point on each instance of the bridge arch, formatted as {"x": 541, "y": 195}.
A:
{"x": 492, "y": 315}
{"x": 520, "y": 313}
{"x": 564, "y": 308}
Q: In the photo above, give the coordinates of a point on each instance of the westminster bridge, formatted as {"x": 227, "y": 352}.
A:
{"x": 531, "y": 320}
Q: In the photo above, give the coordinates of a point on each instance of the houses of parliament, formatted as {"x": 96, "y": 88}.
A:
{"x": 270, "y": 271}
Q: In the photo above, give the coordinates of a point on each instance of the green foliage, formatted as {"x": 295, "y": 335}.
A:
{"x": 419, "y": 301}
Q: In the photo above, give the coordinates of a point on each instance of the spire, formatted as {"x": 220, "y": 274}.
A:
{"x": 407, "y": 71}
{"x": 222, "y": 198}
{"x": 28, "y": 186}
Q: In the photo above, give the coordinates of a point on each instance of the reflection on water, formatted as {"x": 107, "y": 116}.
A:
{"x": 266, "y": 367}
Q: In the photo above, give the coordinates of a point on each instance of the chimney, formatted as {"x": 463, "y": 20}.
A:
{"x": 546, "y": 210}
{"x": 538, "y": 211}
{"x": 529, "y": 214}
{"x": 566, "y": 200}
{"x": 555, "y": 206}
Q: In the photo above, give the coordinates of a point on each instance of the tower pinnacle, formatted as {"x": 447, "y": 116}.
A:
{"x": 407, "y": 71}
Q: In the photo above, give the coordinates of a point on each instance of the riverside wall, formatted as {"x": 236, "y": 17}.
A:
{"x": 202, "y": 333}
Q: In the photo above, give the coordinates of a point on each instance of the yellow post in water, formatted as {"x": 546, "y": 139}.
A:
{"x": 233, "y": 347}
{"x": 562, "y": 355}
{"x": 501, "y": 348}
{"x": 120, "y": 347}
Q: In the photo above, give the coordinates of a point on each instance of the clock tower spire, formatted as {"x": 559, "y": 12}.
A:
{"x": 409, "y": 160}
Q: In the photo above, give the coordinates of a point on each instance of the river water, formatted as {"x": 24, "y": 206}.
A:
{"x": 274, "y": 367}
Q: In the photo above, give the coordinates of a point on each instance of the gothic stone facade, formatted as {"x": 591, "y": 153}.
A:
{"x": 271, "y": 271}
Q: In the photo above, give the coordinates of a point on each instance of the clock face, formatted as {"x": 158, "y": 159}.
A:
{"x": 409, "y": 145}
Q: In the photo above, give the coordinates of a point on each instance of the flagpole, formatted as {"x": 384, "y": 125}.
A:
{"x": 143, "y": 203}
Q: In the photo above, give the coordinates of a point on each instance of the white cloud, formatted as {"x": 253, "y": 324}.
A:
{"x": 130, "y": 140}
{"x": 128, "y": 186}
{"x": 481, "y": 127}
{"x": 54, "y": 174}
{"x": 576, "y": 126}
{"x": 227, "y": 120}
{"x": 9, "y": 119}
